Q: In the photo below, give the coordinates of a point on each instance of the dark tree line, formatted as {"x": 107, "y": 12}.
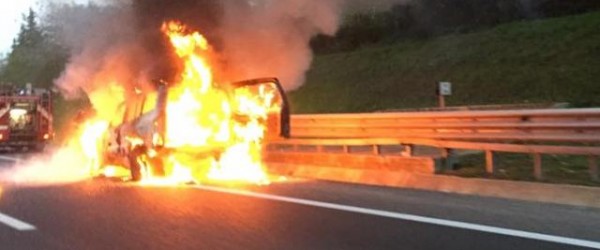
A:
{"x": 429, "y": 18}
{"x": 34, "y": 57}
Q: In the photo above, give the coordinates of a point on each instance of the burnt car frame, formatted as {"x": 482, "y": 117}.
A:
{"x": 145, "y": 126}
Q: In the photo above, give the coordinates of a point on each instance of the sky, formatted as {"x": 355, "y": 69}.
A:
{"x": 11, "y": 17}
{"x": 11, "y": 13}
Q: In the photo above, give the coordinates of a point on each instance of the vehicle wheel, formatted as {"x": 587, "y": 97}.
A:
{"x": 158, "y": 167}
{"x": 39, "y": 148}
{"x": 134, "y": 165}
{"x": 135, "y": 169}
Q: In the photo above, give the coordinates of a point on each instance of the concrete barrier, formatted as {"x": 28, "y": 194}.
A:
{"x": 356, "y": 161}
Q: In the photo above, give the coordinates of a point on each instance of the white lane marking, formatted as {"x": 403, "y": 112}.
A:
{"x": 3, "y": 157}
{"x": 15, "y": 223}
{"x": 415, "y": 218}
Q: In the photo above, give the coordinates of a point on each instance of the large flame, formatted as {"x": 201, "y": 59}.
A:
{"x": 210, "y": 141}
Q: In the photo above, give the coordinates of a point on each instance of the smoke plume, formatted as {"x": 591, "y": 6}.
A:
{"x": 63, "y": 166}
{"x": 119, "y": 45}
{"x": 271, "y": 38}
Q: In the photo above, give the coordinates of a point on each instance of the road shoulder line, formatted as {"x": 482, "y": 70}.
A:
{"x": 410, "y": 217}
{"x": 15, "y": 223}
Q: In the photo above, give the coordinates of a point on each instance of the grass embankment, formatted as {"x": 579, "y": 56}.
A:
{"x": 556, "y": 168}
{"x": 552, "y": 60}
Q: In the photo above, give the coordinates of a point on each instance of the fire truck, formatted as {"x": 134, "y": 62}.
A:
{"x": 150, "y": 125}
{"x": 25, "y": 118}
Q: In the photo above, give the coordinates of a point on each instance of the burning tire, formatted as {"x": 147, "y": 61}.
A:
{"x": 140, "y": 162}
{"x": 135, "y": 165}
{"x": 136, "y": 172}
{"x": 157, "y": 165}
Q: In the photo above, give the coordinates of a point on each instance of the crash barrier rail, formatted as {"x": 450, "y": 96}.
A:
{"x": 536, "y": 132}
{"x": 521, "y": 106}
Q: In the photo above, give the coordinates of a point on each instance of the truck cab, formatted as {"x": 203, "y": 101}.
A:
{"x": 138, "y": 142}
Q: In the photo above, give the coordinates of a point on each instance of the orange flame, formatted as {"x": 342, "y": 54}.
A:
{"x": 209, "y": 141}
{"x": 93, "y": 132}
{"x": 200, "y": 115}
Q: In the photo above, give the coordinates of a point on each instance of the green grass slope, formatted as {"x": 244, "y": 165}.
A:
{"x": 552, "y": 60}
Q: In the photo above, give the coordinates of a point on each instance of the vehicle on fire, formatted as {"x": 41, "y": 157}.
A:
{"x": 25, "y": 118}
{"x": 138, "y": 141}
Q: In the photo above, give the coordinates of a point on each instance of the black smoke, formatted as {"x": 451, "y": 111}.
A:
{"x": 118, "y": 47}
{"x": 199, "y": 15}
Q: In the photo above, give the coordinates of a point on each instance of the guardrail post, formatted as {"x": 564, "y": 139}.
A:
{"x": 537, "y": 166}
{"x": 408, "y": 150}
{"x": 448, "y": 157}
{"x": 489, "y": 162}
{"x": 376, "y": 150}
{"x": 593, "y": 162}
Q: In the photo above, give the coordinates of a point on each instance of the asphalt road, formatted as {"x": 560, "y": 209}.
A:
{"x": 296, "y": 214}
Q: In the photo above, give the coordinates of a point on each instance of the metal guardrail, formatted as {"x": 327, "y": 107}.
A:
{"x": 560, "y": 105}
{"x": 544, "y": 131}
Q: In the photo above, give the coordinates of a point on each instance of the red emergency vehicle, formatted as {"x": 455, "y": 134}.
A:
{"x": 25, "y": 118}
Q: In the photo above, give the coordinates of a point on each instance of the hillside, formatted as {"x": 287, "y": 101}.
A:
{"x": 551, "y": 60}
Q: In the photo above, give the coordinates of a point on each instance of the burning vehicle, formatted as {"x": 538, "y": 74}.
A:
{"x": 139, "y": 144}
{"x": 191, "y": 129}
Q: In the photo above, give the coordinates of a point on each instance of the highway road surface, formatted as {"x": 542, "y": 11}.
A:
{"x": 295, "y": 214}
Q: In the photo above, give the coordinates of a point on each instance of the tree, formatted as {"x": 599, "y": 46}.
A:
{"x": 2, "y": 62}
{"x": 34, "y": 57}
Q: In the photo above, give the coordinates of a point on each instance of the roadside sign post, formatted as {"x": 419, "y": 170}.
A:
{"x": 443, "y": 89}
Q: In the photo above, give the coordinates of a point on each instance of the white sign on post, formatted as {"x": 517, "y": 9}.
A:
{"x": 445, "y": 88}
